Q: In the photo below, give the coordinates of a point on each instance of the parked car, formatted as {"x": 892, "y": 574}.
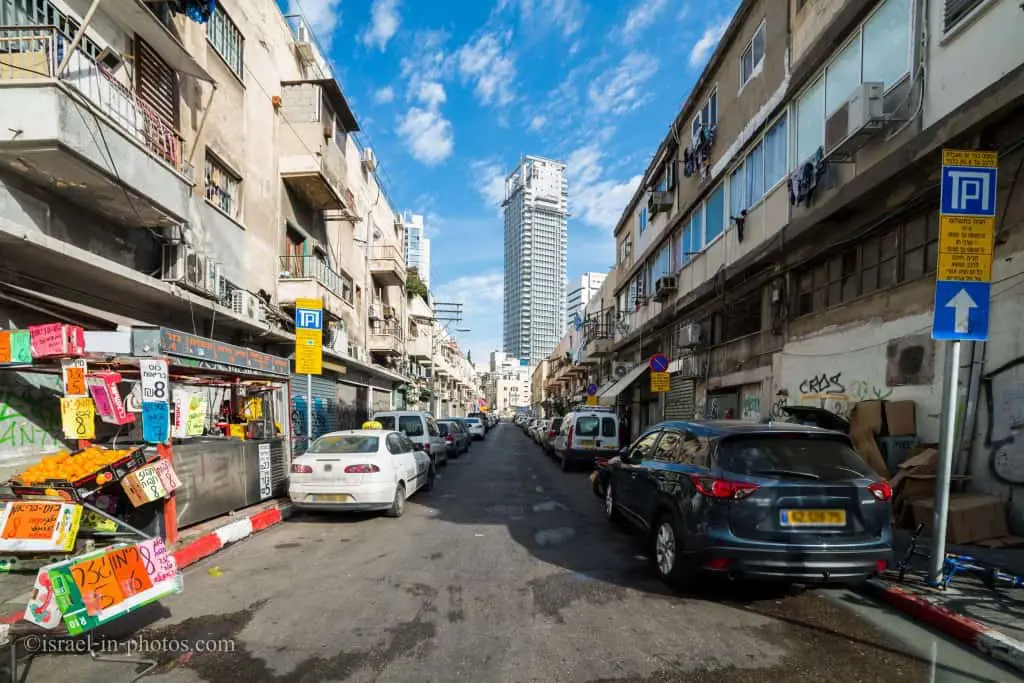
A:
{"x": 476, "y": 427}
{"x": 539, "y": 428}
{"x": 360, "y": 469}
{"x": 586, "y": 435}
{"x": 418, "y": 426}
{"x": 547, "y": 439}
{"x": 455, "y": 436}
{"x": 782, "y": 501}
{"x": 482, "y": 416}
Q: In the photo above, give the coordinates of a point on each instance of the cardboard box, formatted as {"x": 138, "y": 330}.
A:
{"x": 867, "y": 415}
{"x": 972, "y": 518}
{"x": 900, "y": 418}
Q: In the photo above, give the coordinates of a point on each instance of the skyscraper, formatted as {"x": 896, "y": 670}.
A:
{"x": 417, "y": 247}
{"x": 580, "y": 294}
{"x": 536, "y": 238}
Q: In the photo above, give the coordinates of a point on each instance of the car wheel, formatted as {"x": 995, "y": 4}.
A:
{"x": 667, "y": 553}
{"x": 610, "y": 511}
{"x": 599, "y": 490}
{"x": 431, "y": 475}
{"x": 565, "y": 463}
{"x": 397, "y": 508}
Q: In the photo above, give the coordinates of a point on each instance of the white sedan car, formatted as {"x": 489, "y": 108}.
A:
{"x": 360, "y": 469}
{"x": 476, "y": 428}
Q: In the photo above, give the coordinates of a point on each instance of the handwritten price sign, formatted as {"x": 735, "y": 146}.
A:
{"x": 111, "y": 579}
{"x": 74, "y": 370}
{"x": 78, "y": 418}
{"x": 27, "y": 526}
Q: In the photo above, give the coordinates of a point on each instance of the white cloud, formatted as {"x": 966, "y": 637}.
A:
{"x": 594, "y": 198}
{"x": 488, "y": 177}
{"x": 384, "y": 95}
{"x": 537, "y": 122}
{"x": 485, "y": 62}
{"x": 431, "y": 94}
{"x": 481, "y": 296}
{"x": 323, "y": 16}
{"x": 384, "y": 21}
{"x": 642, "y": 16}
{"x": 617, "y": 90}
{"x": 428, "y": 135}
{"x": 703, "y": 48}
{"x": 565, "y": 15}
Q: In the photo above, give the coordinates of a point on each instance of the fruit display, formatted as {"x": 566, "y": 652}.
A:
{"x": 67, "y": 466}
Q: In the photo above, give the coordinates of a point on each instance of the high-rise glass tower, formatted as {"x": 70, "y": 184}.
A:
{"x": 536, "y": 241}
{"x": 417, "y": 247}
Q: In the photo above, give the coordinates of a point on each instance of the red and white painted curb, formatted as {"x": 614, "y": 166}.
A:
{"x": 203, "y": 546}
{"x": 972, "y": 633}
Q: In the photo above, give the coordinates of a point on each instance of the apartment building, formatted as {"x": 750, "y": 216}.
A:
{"x": 199, "y": 173}
{"x": 579, "y": 294}
{"x": 417, "y": 247}
{"x": 782, "y": 248}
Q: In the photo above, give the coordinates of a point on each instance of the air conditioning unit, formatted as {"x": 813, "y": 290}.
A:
{"x": 172, "y": 268}
{"x": 691, "y": 367}
{"x": 665, "y": 287}
{"x": 658, "y": 202}
{"x": 856, "y": 121}
{"x": 389, "y": 312}
{"x": 304, "y": 43}
{"x": 688, "y": 335}
{"x": 215, "y": 283}
{"x": 369, "y": 160}
{"x": 620, "y": 370}
{"x": 374, "y": 312}
{"x": 195, "y": 272}
{"x": 337, "y": 338}
{"x": 245, "y": 305}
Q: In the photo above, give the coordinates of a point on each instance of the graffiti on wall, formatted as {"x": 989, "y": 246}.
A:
{"x": 831, "y": 391}
{"x": 751, "y": 408}
{"x": 29, "y": 419}
{"x": 1004, "y": 438}
{"x": 776, "y": 411}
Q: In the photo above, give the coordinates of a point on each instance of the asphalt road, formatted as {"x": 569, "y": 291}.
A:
{"x": 506, "y": 572}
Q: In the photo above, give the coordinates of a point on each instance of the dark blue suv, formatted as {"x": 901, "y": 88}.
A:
{"x": 762, "y": 501}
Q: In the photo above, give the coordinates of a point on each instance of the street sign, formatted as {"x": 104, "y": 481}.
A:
{"x": 591, "y": 400}
{"x": 658, "y": 363}
{"x": 591, "y": 390}
{"x": 309, "y": 337}
{"x": 661, "y": 382}
{"x": 966, "y": 245}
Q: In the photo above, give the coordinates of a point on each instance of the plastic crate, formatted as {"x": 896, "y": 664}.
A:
{"x": 77, "y": 491}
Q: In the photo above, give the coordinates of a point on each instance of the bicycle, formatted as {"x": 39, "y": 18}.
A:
{"x": 992, "y": 577}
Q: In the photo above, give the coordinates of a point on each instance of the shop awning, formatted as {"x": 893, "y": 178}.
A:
{"x": 608, "y": 397}
{"x": 133, "y": 16}
{"x": 62, "y": 309}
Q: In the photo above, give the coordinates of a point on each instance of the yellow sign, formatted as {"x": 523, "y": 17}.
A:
{"x": 970, "y": 157}
{"x": 309, "y": 352}
{"x": 78, "y": 418}
{"x": 660, "y": 382}
{"x": 967, "y": 234}
{"x": 591, "y": 400}
{"x": 965, "y": 267}
{"x": 309, "y": 303}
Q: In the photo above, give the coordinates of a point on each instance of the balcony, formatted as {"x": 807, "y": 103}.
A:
{"x": 85, "y": 135}
{"x": 388, "y": 265}
{"x": 418, "y": 347}
{"x": 307, "y": 277}
{"x": 312, "y": 158}
{"x": 598, "y": 341}
{"x": 386, "y": 338}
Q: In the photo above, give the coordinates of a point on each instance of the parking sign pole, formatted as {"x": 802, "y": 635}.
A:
{"x": 947, "y": 447}
{"x": 309, "y": 409}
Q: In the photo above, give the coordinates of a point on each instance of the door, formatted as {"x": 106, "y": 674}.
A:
{"x": 609, "y": 439}
{"x": 626, "y": 477}
{"x": 661, "y": 477}
{"x": 404, "y": 463}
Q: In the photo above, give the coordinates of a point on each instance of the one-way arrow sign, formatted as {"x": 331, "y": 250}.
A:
{"x": 961, "y": 310}
{"x": 962, "y": 304}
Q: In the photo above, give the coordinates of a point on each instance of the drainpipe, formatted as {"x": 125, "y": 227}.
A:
{"x": 86, "y": 20}
{"x": 969, "y": 428}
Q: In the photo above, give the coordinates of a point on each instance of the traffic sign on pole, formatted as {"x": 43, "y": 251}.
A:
{"x": 658, "y": 363}
{"x": 591, "y": 390}
{"x": 309, "y": 345}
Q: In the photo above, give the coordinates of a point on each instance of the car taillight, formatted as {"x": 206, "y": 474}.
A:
{"x": 449, "y": 438}
{"x": 551, "y": 434}
{"x": 301, "y": 469}
{"x": 881, "y": 490}
{"x": 568, "y": 439}
{"x": 361, "y": 469}
{"x": 722, "y": 488}
{"x": 426, "y": 447}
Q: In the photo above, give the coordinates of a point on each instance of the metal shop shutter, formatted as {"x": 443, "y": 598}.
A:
{"x": 325, "y": 408}
{"x": 679, "y": 404}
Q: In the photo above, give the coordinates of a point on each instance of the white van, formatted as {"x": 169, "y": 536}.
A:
{"x": 586, "y": 435}
{"x": 420, "y": 427}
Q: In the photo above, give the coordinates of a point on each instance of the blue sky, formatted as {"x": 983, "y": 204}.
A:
{"x": 450, "y": 93}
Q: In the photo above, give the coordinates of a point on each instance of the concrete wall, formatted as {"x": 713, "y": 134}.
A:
{"x": 808, "y": 23}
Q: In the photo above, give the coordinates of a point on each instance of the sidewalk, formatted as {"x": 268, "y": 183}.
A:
{"x": 194, "y": 544}
{"x": 988, "y": 620}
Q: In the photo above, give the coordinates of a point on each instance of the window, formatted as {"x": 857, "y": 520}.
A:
{"x": 737, "y": 192}
{"x": 755, "y": 175}
{"x": 842, "y": 76}
{"x": 708, "y": 114}
{"x": 347, "y": 443}
{"x": 753, "y": 57}
{"x": 641, "y": 219}
{"x": 810, "y": 121}
{"x": 715, "y": 213}
{"x": 588, "y": 427}
{"x": 625, "y": 250}
{"x": 667, "y": 448}
{"x": 608, "y": 427}
{"x": 887, "y": 42}
{"x": 394, "y": 444}
{"x": 222, "y": 186}
{"x": 956, "y": 11}
{"x": 667, "y": 181}
{"x": 641, "y": 450}
{"x": 411, "y": 425}
{"x": 775, "y": 157}
{"x": 902, "y": 253}
{"x": 226, "y": 39}
{"x": 825, "y": 459}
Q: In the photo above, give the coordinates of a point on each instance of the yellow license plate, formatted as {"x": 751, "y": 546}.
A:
{"x": 331, "y": 498}
{"x": 587, "y": 444}
{"x": 812, "y": 518}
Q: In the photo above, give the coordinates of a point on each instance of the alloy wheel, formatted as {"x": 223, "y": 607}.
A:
{"x": 665, "y": 549}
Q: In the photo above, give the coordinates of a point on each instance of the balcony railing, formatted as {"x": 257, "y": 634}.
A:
{"x": 387, "y": 328}
{"x": 34, "y": 53}
{"x": 311, "y": 267}
{"x": 386, "y": 257}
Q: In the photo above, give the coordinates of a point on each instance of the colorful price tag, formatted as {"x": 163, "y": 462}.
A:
{"x": 78, "y": 418}
{"x": 5, "y": 346}
{"x": 36, "y": 526}
{"x": 21, "y": 347}
{"x": 156, "y": 422}
{"x": 73, "y": 371}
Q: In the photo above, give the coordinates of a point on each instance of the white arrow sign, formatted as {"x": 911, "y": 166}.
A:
{"x": 961, "y": 304}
